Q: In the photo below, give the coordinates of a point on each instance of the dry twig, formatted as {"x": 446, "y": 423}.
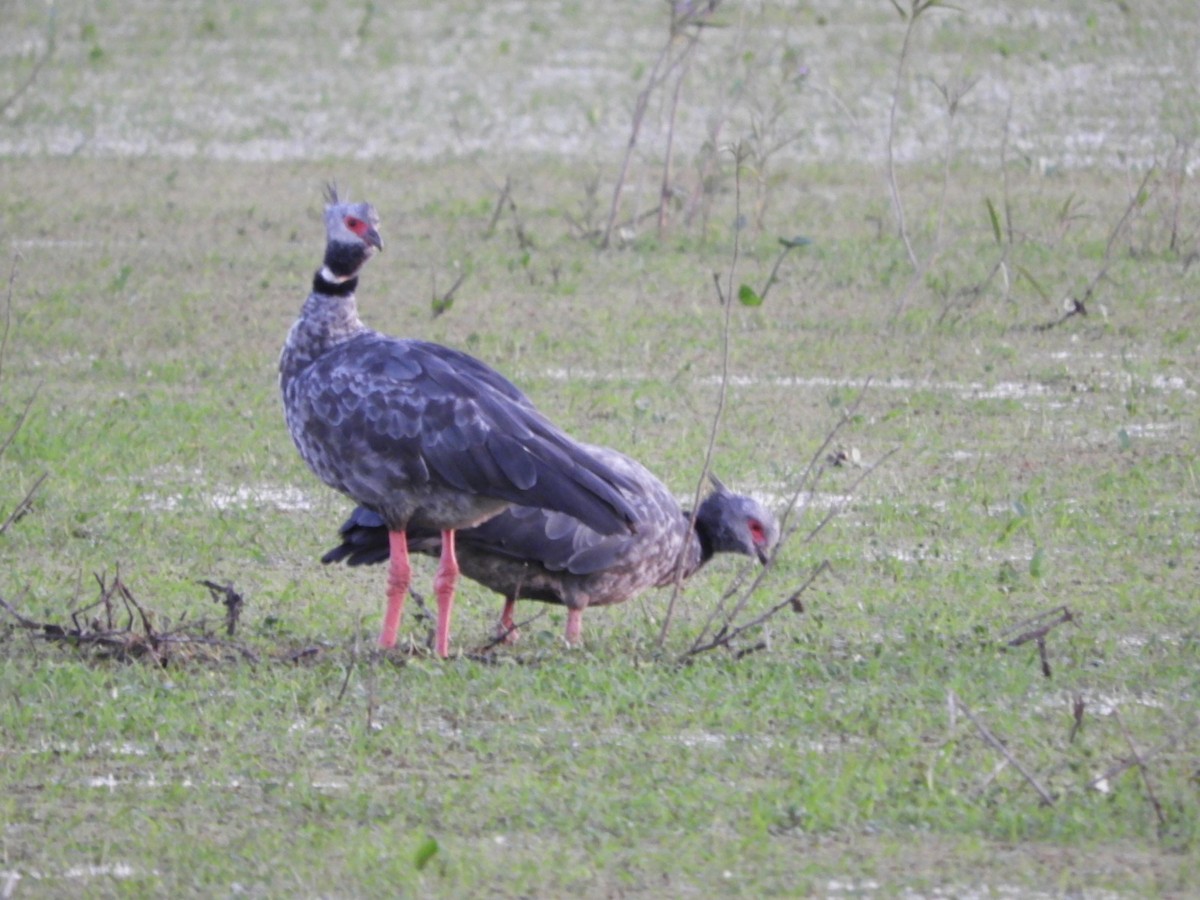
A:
{"x": 725, "y": 296}
{"x": 1078, "y": 706}
{"x": 1043, "y": 624}
{"x": 230, "y": 599}
{"x": 1139, "y": 759}
{"x": 1143, "y": 770}
{"x": 910, "y": 20}
{"x": 24, "y": 506}
{"x": 687, "y": 18}
{"x": 1077, "y": 306}
{"x": 727, "y": 631}
{"x": 97, "y": 626}
{"x": 726, "y": 634}
{"x": 503, "y": 635}
{"x": 998, "y": 745}
{"x": 39, "y": 63}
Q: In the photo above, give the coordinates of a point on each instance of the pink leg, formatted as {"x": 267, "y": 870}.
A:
{"x": 443, "y": 589}
{"x": 399, "y": 578}
{"x": 574, "y": 627}
{"x": 507, "y": 629}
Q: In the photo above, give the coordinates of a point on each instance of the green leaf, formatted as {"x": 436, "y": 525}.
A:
{"x": 798, "y": 241}
{"x": 118, "y": 283}
{"x": 995, "y": 220}
{"x": 1033, "y": 281}
{"x": 427, "y": 851}
{"x": 748, "y": 297}
{"x": 1037, "y": 565}
{"x": 1065, "y": 212}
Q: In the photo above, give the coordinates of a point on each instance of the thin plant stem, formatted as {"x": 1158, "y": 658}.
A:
{"x": 664, "y": 193}
{"x": 897, "y": 204}
{"x": 726, "y": 297}
{"x": 639, "y": 114}
{"x": 39, "y": 63}
{"x": 998, "y": 745}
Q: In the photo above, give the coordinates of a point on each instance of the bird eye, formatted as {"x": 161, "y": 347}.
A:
{"x": 358, "y": 226}
{"x": 757, "y": 531}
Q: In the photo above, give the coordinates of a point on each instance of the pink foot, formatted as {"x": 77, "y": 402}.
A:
{"x": 399, "y": 578}
{"x": 506, "y": 629}
{"x": 574, "y": 627}
{"x": 443, "y": 589}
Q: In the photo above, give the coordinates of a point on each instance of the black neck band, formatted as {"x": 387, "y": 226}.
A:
{"x": 334, "y": 288}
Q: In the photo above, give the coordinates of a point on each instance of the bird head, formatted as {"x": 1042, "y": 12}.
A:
{"x": 735, "y": 523}
{"x": 351, "y": 236}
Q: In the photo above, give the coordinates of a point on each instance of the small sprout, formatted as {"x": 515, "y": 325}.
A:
{"x": 427, "y": 851}
{"x": 1037, "y": 565}
{"x": 995, "y": 219}
{"x": 747, "y": 296}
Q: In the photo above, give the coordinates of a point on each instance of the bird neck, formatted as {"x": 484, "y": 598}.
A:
{"x": 698, "y": 548}
{"x": 703, "y": 544}
{"x": 327, "y": 284}
{"x": 329, "y": 317}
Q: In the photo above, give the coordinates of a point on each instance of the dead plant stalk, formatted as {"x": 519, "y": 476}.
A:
{"x": 671, "y": 58}
{"x": 726, "y": 299}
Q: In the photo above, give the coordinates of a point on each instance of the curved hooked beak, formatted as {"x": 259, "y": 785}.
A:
{"x": 371, "y": 236}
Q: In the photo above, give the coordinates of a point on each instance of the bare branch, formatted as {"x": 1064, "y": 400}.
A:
{"x": 686, "y": 24}
{"x": 502, "y": 635}
{"x": 136, "y": 639}
{"x": 230, "y": 599}
{"x": 24, "y": 506}
{"x": 38, "y": 65}
{"x": 726, "y": 635}
{"x": 808, "y": 481}
{"x": 726, "y": 299}
{"x": 897, "y": 203}
{"x": 1078, "y": 305}
{"x": 1126, "y": 764}
{"x": 502, "y": 201}
{"x": 1077, "y": 709}
{"x": 21, "y": 620}
{"x": 442, "y": 303}
{"x": 1142, "y": 769}
{"x": 12, "y": 280}
{"x": 1043, "y": 624}
{"x": 20, "y": 419}
{"x": 665, "y": 190}
{"x": 998, "y": 745}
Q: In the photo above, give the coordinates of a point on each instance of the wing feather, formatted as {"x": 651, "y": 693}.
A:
{"x": 430, "y": 416}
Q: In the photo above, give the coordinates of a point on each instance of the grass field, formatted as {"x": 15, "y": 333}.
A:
{"x": 1011, "y": 382}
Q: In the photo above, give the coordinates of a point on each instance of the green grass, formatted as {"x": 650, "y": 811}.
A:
{"x": 1034, "y": 468}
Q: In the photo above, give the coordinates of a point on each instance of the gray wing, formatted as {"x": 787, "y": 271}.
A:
{"x": 386, "y": 421}
{"x": 561, "y": 543}
{"x": 549, "y": 539}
